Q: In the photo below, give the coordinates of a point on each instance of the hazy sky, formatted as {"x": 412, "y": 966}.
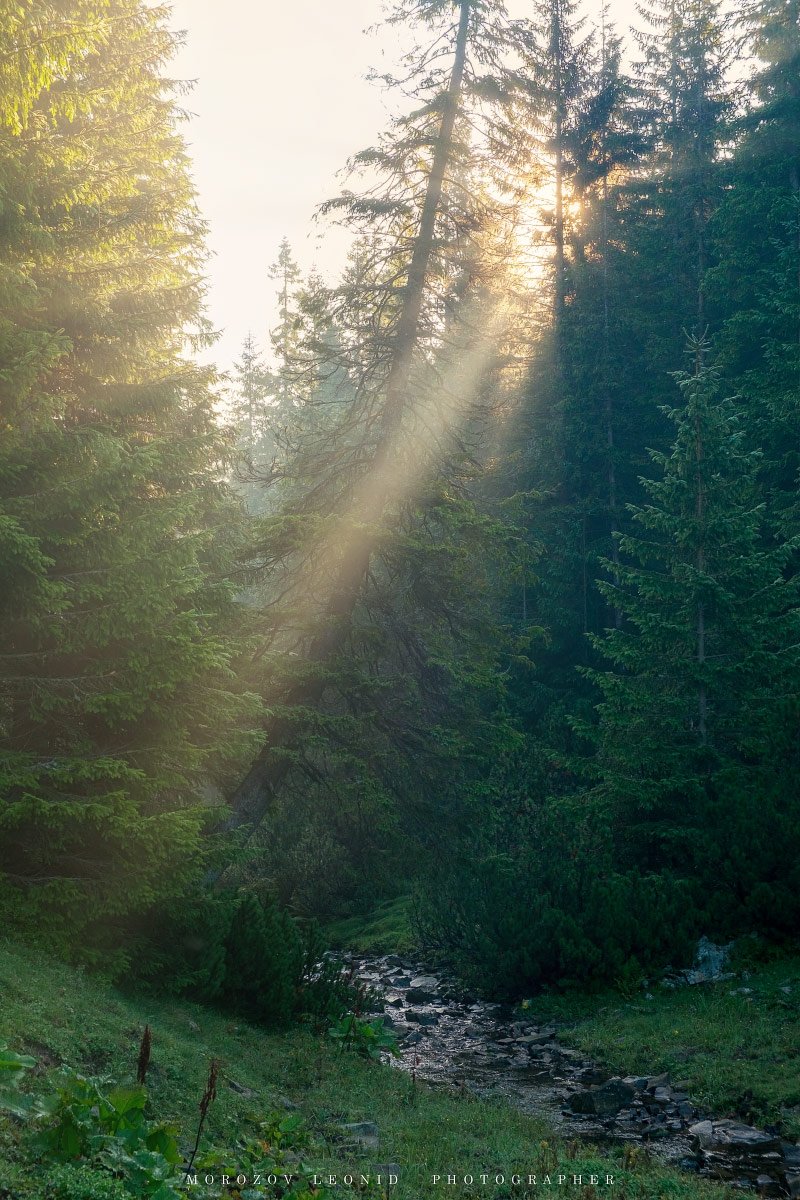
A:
{"x": 280, "y": 102}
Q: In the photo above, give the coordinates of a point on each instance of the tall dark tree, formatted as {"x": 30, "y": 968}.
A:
{"x": 755, "y": 286}
{"x": 117, "y": 701}
{"x": 697, "y": 732}
{"x": 418, "y": 265}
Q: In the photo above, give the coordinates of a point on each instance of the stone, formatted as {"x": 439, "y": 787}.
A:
{"x": 708, "y": 963}
{"x": 593, "y": 1075}
{"x": 240, "y": 1089}
{"x": 733, "y": 1138}
{"x": 703, "y": 1131}
{"x": 421, "y": 1018}
{"x": 425, "y": 981}
{"x": 363, "y": 1134}
{"x": 420, "y": 995}
{"x": 606, "y": 1100}
{"x": 657, "y": 1081}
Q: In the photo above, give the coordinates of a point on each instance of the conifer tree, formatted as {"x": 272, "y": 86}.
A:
{"x": 398, "y": 337}
{"x": 252, "y": 400}
{"x": 118, "y": 706}
{"x": 755, "y": 286}
{"x": 286, "y": 273}
{"x": 698, "y": 710}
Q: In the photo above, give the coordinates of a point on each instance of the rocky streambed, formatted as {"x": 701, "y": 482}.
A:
{"x": 481, "y": 1047}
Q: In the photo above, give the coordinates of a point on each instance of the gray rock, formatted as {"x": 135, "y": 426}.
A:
{"x": 421, "y": 1018}
{"x": 363, "y": 1134}
{"x": 708, "y": 963}
{"x": 425, "y": 981}
{"x": 606, "y": 1100}
{"x": 420, "y": 995}
{"x": 593, "y": 1075}
{"x": 533, "y": 1039}
{"x": 733, "y": 1138}
{"x": 703, "y": 1132}
{"x": 240, "y": 1089}
{"x": 657, "y": 1081}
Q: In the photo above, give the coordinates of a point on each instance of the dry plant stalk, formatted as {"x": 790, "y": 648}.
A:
{"x": 144, "y": 1055}
{"x": 209, "y": 1095}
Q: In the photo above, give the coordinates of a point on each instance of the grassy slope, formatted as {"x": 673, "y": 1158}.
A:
{"x": 61, "y": 1015}
{"x": 739, "y": 1054}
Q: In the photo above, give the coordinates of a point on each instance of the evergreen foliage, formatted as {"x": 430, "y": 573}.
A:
{"x": 118, "y": 702}
{"x": 515, "y": 622}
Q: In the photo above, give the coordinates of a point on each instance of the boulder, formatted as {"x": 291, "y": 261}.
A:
{"x": 733, "y": 1138}
{"x": 420, "y": 995}
{"x": 604, "y": 1101}
{"x": 708, "y": 963}
{"x": 421, "y": 1018}
{"x": 425, "y": 981}
{"x": 656, "y": 1081}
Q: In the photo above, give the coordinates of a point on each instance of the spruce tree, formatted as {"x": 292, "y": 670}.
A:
{"x": 755, "y": 286}
{"x": 252, "y": 397}
{"x": 118, "y": 707}
{"x": 696, "y": 715}
{"x": 392, "y": 449}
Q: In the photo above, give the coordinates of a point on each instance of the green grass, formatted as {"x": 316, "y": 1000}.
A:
{"x": 386, "y": 930}
{"x": 61, "y": 1015}
{"x": 739, "y": 1054}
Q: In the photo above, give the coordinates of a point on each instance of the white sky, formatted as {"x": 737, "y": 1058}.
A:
{"x": 280, "y": 103}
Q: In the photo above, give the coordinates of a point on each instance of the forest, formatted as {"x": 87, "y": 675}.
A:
{"x": 471, "y": 593}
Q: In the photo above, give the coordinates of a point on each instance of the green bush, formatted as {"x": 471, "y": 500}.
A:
{"x": 551, "y": 911}
{"x": 239, "y": 951}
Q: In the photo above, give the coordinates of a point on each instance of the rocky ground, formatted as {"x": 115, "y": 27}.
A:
{"x": 447, "y": 1038}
